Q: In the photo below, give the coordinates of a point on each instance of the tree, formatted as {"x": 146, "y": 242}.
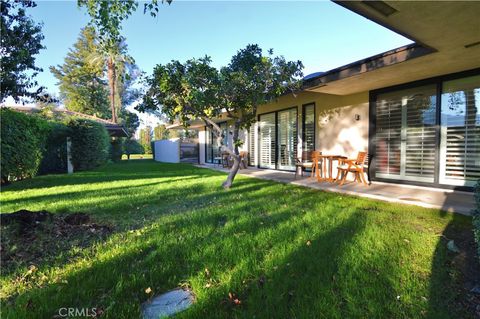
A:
{"x": 130, "y": 121}
{"x": 196, "y": 90}
{"x": 107, "y": 18}
{"x": 146, "y": 139}
{"x": 160, "y": 132}
{"x": 132, "y": 146}
{"x": 81, "y": 83}
{"x": 21, "y": 39}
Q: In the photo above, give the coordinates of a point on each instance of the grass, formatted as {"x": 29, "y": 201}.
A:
{"x": 283, "y": 251}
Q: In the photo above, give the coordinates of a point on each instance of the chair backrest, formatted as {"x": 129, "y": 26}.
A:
{"x": 306, "y": 156}
{"x": 316, "y": 155}
{"x": 361, "y": 157}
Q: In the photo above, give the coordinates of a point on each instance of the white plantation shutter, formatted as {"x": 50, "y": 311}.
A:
{"x": 460, "y": 132}
{"x": 406, "y": 134}
{"x": 267, "y": 140}
{"x": 287, "y": 138}
{"x": 251, "y": 145}
{"x": 309, "y": 128}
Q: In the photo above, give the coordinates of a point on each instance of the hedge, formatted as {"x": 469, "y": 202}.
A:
{"x": 116, "y": 149}
{"x": 22, "y": 144}
{"x": 54, "y": 159}
{"x": 90, "y": 144}
{"x": 476, "y": 217}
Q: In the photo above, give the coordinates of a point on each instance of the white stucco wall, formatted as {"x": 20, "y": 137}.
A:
{"x": 201, "y": 146}
{"x": 167, "y": 151}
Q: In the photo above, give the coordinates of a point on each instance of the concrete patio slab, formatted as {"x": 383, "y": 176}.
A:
{"x": 444, "y": 199}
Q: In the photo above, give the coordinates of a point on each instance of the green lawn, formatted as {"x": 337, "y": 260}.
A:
{"x": 284, "y": 251}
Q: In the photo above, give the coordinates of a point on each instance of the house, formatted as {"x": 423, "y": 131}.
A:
{"x": 415, "y": 109}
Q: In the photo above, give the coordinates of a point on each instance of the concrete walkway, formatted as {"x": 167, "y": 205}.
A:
{"x": 446, "y": 200}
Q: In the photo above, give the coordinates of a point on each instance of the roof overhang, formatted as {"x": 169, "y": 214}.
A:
{"x": 446, "y": 36}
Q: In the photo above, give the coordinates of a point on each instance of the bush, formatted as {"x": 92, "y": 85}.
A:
{"x": 55, "y": 155}
{"x": 22, "y": 144}
{"x": 116, "y": 149}
{"x": 476, "y": 217}
{"x": 90, "y": 144}
{"x": 132, "y": 147}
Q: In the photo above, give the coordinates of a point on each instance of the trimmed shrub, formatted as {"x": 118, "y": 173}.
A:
{"x": 132, "y": 147}
{"x": 476, "y": 217}
{"x": 54, "y": 159}
{"x": 22, "y": 144}
{"x": 116, "y": 149}
{"x": 90, "y": 144}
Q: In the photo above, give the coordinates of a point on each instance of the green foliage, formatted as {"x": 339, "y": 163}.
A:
{"x": 196, "y": 90}
{"x": 55, "y": 155}
{"x": 160, "y": 132}
{"x": 90, "y": 144}
{"x": 81, "y": 78}
{"x": 20, "y": 41}
{"x": 476, "y": 217}
{"x": 116, "y": 149}
{"x": 22, "y": 144}
{"x": 146, "y": 139}
{"x": 132, "y": 146}
{"x": 131, "y": 121}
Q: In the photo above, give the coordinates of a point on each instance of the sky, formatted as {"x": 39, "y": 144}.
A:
{"x": 321, "y": 34}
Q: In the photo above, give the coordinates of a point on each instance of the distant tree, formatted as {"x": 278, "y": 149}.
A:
{"x": 146, "y": 139}
{"x": 132, "y": 146}
{"x": 131, "y": 121}
{"x": 160, "y": 132}
{"x": 80, "y": 79}
{"x": 196, "y": 90}
{"x": 20, "y": 40}
{"x": 107, "y": 18}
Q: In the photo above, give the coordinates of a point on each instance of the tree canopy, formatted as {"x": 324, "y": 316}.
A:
{"x": 81, "y": 79}
{"x": 21, "y": 39}
{"x": 196, "y": 90}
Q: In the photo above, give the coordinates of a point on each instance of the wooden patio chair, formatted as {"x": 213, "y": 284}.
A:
{"x": 304, "y": 162}
{"x": 356, "y": 166}
{"x": 309, "y": 160}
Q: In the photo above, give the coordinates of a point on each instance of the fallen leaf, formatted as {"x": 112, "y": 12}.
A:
{"x": 207, "y": 272}
{"x": 148, "y": 290}
{"x": 208, "y": 285}
{"x": 309, "y": 242}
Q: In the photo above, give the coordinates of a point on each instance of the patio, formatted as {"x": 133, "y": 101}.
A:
{"x": 444, "y": 199}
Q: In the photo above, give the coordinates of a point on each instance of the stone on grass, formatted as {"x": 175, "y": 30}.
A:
{"x": 168, "y": 304}
{"x": 452, "y": 247}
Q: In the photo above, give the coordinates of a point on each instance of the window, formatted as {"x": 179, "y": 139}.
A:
{"x": 460, "y": 132}
{"x": 429, "y": 133}
{"x": 406, "y": 136}
{"x": 212, "y": 146}
{"x": 308, "y": 139}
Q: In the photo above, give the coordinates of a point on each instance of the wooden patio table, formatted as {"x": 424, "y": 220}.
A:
{"x": 328, "y": 158}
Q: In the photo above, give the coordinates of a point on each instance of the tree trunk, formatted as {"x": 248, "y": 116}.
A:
{"x": 233, "y": 172}
{"x": 111, "y": 82}
{"x": 236, "y": 158}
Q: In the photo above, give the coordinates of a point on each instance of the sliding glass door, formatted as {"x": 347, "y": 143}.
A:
{"x": 406, "y": 134}
{"x": 287, "y": 139}
{"x": 430, "y": 133}
{"x": 277, "y": 139}
{"x": 460, "y": 132}
{"x": 267, "y": 140}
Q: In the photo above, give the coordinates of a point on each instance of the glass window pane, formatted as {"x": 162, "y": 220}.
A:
{"x": 460, "y": 132}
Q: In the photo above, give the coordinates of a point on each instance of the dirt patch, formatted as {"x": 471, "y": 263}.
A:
{"x": 466, "y": 264}
{"x": 31, "y": 238}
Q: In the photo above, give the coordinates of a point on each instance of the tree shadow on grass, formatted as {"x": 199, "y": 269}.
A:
{"x": 454, "y": 274}
{"x": 196, "y": 239}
